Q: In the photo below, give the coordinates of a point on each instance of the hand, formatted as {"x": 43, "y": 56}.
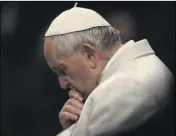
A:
{"x": 71, "y": 109}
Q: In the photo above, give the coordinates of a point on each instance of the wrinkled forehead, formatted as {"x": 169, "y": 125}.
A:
{"x": 48, "y": 46}
{"x": 49, "y": 49}
{"x": 52, "y": 57}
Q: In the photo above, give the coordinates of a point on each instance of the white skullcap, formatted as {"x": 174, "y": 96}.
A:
{"x": 75, "y": 19}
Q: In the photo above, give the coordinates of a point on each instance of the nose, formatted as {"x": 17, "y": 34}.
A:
{"x": 63, "y": 81}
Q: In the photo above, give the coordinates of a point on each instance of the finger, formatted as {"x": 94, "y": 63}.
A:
{"x": 76, "y": 95}
{"x": 71, "y": 109}
{"x": 75, "y": 103}
{"x": 68, "y": 116}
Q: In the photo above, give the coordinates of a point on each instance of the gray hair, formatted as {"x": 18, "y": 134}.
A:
{"x": 103, "y": 38}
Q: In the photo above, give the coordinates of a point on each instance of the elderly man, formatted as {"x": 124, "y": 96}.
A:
{"x": 114, "y": 87}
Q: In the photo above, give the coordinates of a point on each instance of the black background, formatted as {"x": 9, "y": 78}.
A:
{"x": 31, "y": 97}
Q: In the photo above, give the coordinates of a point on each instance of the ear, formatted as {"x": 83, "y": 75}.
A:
{"x": 90, "y": 53}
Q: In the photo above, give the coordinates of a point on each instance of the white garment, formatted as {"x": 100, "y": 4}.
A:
{"x": 134, "y": 86}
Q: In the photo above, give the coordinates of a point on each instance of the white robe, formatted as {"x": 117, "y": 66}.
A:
{"x": 132, "y": 88}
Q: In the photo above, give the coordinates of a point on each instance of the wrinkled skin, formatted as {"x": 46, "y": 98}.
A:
{"x": 79, "y": 71}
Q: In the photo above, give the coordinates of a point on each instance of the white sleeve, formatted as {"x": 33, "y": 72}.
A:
{"x": 67, "y": 132}
{"x": 125, "y": 105}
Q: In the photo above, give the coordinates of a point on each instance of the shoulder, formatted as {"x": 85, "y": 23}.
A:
{"x": 144, "y": 84}
{"x": 116, "y": 86}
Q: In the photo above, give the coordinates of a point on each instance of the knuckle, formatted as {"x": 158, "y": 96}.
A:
{"x": 72, "y": 101}
{"x": 67, "y": 102}
{"x": 65, "y": 115}
{"x": 76, "y": 95}
{"x": 67, "y": 107}
{"x": 61, "y": 115}
{"x": 70, "y": 93}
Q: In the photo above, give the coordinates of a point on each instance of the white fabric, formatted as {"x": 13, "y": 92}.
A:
{"x": 67, "y": 132}
{"x": 75, "y": 19}
{"x": 134, "y": 86}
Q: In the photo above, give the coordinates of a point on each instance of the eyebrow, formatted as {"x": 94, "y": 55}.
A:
{"x": 59, "y": 68}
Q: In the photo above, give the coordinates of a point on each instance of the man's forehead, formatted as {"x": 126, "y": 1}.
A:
{"x": 54, "y": 58}
{"x": 55, "y": 62}
{"x": 48, "y": 47}
{"x": 49, "y": 42}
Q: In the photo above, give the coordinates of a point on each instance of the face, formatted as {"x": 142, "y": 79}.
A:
{"x": 79, "y": 70}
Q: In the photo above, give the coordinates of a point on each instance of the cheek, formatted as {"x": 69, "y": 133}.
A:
{"x": 79, "y": 77}
{"x": 77, "y": 70}
{"x": 79, "y": 73}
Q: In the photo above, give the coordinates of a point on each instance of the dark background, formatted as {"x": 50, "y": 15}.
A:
{"x": 31, "y": 97}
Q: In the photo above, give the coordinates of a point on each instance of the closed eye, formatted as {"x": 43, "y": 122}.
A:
{"x": 60, "y": 71}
